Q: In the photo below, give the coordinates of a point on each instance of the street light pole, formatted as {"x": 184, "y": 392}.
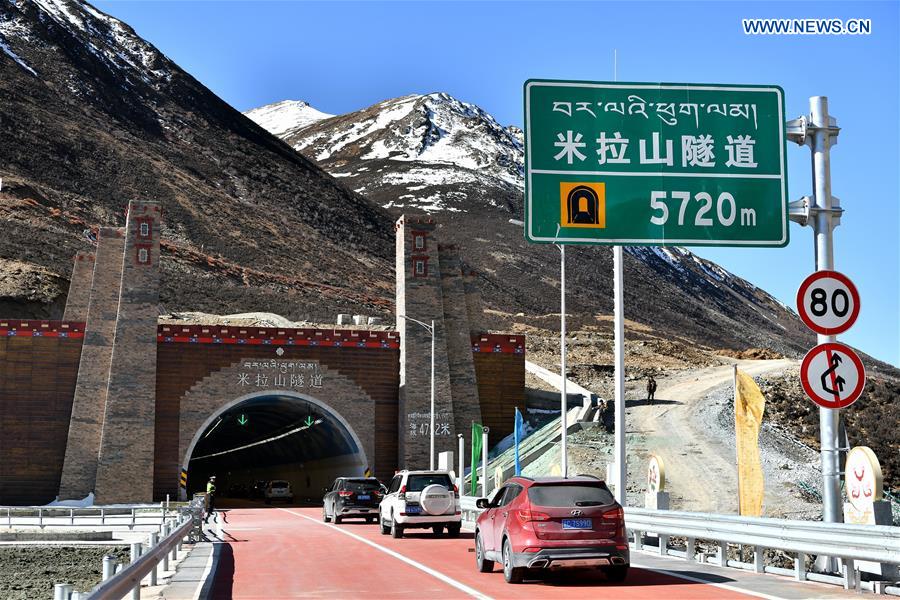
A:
{"x": 431, "y": 429}
{"x": 430, "y": 330}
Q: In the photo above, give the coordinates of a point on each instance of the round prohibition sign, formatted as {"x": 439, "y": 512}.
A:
{"x": 832, "y": 375}
{"x": 828, "y": 302}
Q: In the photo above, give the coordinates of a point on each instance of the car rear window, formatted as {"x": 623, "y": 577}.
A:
{"x": 361, "y": 485}
{"x": 566, "y": 495}
{"x": 279, "y": 484}
{"x": 417, "y": 483}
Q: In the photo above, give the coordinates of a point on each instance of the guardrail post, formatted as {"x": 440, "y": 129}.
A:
{"x": 800, "y": 567}
{"x": 154, "y": 540}
{"x": 637, "y": 540}
{"x": 136, "y": 554}
{"x": 849, "y": 574}
{"x": 71, "y": 516}
{"x": 663, "y": 543}
{"x": 165, "y": 558}
{"x": 133, "y": 517}
{"x": 9, "y": 517}
{"x": 722, "y": 553}
{"x": 690, "y": 549}
{"x": 759, "y": 559}
{"x": 41, "y": 518}
{"x": 62, "y": 591}
{"x": 103, "y": 516}
{"x": 109, "y": 567}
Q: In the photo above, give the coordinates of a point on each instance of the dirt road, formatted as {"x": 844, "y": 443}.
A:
{"x": 700, "y": 467}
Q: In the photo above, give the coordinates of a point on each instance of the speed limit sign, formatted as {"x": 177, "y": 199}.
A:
{"x": 828, "y": 302}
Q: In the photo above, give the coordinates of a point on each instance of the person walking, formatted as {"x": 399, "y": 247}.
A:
{"x": 651, "y": 389}
{"x": 210, "y": 497}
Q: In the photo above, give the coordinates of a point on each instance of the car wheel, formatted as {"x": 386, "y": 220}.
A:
{"x": 484, "y": 565}
{"x": 437, "y": 529}
{"x": 453, "y": 529}
{"x": 510, "y": 573}
{"x": 385, "y": 528}
{"x": 396, "y": 529}
{"x": 337, "y": 520}
{"x": 325, "y": 516}
{"x": 616, "y": 574}
{"x": 370, "y": 520}
{"x": 268, "y": 501}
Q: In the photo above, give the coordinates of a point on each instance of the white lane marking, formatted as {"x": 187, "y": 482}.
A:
{"x": 724, "y": 586}
{"x": 436, "y": 574}
{"x": 203, "y": 589}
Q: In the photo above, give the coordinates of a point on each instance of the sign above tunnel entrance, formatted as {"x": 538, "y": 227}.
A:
{"x": 655, "y": 164}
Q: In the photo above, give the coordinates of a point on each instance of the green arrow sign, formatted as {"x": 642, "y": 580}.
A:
{"x": 655, "y": 164}
{"x": 243, "y": 419}
{"x": 309, "y": 421}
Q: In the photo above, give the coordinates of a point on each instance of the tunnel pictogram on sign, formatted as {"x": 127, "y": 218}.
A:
{"x": 582, "y": 204}
{"x": 832, "y": 375}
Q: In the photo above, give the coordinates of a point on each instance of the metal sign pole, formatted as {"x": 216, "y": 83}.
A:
{"x": 822, "y": 230}
{"x": 564, "y": 399}
{"x": 619, "y": 359}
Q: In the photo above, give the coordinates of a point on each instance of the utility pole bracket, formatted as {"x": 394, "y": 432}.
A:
{"x": 804, "y": 210}
{"x": 801, "y": 130}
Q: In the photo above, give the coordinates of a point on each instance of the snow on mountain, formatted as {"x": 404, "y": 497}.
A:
{"x": 431, "y": 152}
{"x": 115, "y": 44}
{"x": 286, "y": 117}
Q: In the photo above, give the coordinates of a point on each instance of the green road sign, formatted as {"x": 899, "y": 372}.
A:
{"x": 243, "y": 420}
{"x": 655, "y": 164}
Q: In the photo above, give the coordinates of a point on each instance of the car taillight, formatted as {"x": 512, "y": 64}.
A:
{"x": 345, "y": 493}
{"x": 402, "y": 495}
{"x": 455, "y": 492}
{"x": 616, "y": 514}
{"x": 526, "y": 515}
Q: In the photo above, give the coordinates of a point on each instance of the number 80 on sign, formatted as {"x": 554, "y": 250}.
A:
{"x": 828, "y": 302}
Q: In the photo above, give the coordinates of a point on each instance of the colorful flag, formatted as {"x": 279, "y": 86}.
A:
{"x": 749, "y": 405}
{"x": 477, "y": 430}
{"x": 517, "y": 436}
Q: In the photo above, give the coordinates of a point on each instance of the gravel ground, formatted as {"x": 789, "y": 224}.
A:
{"x": 29, "y": 572}
{"x": 786, "y": 463}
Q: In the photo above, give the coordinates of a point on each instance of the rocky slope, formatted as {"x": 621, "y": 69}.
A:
{"x": 437, "y": 154}
{"x": 92, "y": 116}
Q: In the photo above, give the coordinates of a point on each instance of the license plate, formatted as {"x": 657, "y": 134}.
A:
{"x": 364, "y": 497}
{"x": 576, "y": 523}
{"x": 412, "y": 510}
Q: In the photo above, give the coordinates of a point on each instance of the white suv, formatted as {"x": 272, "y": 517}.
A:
{"x": 420, "y": 500}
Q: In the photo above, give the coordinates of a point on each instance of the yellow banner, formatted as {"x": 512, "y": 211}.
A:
{"x": 749, "y": 405}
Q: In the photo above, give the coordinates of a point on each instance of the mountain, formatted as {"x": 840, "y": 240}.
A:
{"x": 285, "y": 118}
{"x": 92, "y": 116}
{"x": 437, "y": 154}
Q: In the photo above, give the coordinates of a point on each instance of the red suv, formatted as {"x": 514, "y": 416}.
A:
{"x": 551, "y": 523}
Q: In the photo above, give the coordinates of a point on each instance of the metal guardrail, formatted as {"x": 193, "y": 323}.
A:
{"x": 875, "y": 543}
{"x": 127, "y": 579}
{"x": 49, "y": 516}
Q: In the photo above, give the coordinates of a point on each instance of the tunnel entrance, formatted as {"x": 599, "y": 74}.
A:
{"x": 269, "y": 437}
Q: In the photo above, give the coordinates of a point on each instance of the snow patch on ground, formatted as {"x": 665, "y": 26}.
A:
{"x": 8, "y": 51}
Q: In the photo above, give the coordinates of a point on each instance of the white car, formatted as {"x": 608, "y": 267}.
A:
{"x": 420, "y": 500}
{"x": 278, "y": 489}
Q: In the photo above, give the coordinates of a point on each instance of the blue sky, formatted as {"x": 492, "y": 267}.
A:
{"x": 342, "y": 56}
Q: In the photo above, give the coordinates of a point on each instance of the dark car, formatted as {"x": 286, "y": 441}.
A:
{"x": 551, "y": 524}
{"x": 352, "y": 497}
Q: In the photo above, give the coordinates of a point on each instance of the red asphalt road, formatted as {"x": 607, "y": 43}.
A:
{"x": 274, "y": 553}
